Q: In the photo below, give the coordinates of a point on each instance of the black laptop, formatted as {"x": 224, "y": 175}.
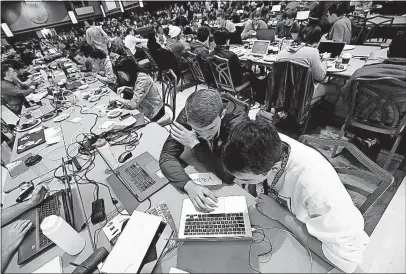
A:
{"x": 334, "y": 48}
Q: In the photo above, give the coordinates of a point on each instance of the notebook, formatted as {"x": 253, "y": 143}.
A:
{"x": 53, "y": 266}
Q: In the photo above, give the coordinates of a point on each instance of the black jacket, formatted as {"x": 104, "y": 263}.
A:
{"x": 170, "y": 162}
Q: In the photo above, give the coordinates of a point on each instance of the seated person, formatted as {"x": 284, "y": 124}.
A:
{"x": 138, "y": 91}
{"x": 308, "y": 55}
{"x": 223, "y": 23}
{"x": 202, "y": 126}
{"x": 296, "y": 186}
{"x": 200, "y": 46}
{"x": 394, "y": 66}
{"x": 287, "y": 26}
{"x": 341, "y": 29}
{"x": 106, "y": 74}
{"x": 174, "y": 43}
{"x": 252, "y": 26}
{"x": 13, "y": 237}
{"x": 13, "y": 90}
{"x": 130, "y": 41}
{"x": 84, "y": 57}
{"x": 237, "y": 70}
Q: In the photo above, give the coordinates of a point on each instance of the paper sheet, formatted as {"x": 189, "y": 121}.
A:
{"x": 176, "y": 270}
{"x": 53, "y": 266}
{"x": 205, "y": 179}
{"x": 107, "y": 124}
{"x": 52, "y": 135}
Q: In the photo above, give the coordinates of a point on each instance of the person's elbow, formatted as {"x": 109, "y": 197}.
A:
{"x": 346, "y": 256}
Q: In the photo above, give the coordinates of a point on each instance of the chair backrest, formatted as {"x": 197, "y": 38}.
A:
{"x": 292, "y": 89}
{"x": 222, "y": 74}
{"x": 373, "y": 24}
{"x": 266, "y": 34}
{"x": 194, "y": 66}
{"x": 169, "y": 83}
{"x": 369, "y": 174}
{"x": 149, "y": 57}
{"x": 357, "y": 29}
{"x": 379, "y": 103}
{"x": 238, "y": 102}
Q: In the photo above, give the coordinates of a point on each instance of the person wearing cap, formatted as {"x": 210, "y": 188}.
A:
{"x": 223, "y": 23}
{"x": 252, "y": 26}
{"x": 14, "y": 235}
{"x": 174, "y": 44}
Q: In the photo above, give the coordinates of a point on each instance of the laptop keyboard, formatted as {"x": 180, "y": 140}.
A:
{"x": 139, "y": 177}
{"x": 49, "y": 207}
{"x": 215, "y": 224}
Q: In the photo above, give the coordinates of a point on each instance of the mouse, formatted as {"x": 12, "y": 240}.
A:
{"x": 124, "y": 156}
{"x": 33, "y": 160}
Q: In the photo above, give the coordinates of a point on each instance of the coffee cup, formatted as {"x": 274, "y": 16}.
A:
{"x": 346, "y": 57}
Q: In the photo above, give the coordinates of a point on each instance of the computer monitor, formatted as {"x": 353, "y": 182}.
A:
{"x": 266, "y": 35}
{"x": 276, "y": 8}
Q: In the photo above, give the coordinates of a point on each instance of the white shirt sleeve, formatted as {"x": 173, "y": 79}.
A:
{"x": 334, "y": 220}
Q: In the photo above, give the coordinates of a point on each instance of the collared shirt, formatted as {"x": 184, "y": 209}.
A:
{"x": 131, "y": 41}
{"x": 310, "y": 188}
{"x": 229, "y": 26}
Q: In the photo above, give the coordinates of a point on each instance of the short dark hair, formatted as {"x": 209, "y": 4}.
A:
{"x": 128, "y": 66}
{"x": 397, "y": 46}
{"x": 203, "y": 33}
{"x": 221, "y": 36}
{"x": 86, "y": 49}
{"x": 252, "y": 147}
{"x": 128, "y": 31}
{"x": 311, "y": 34}
{"x": 97, "y": 54}
{"x": 203, "y": 106}
{"x": 339, "y": 8}
{"x": 221, "y": 14}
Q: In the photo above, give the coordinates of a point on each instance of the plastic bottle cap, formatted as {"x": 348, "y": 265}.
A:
{"x": 50, "y": 223}
{"x": 100, "y": 143}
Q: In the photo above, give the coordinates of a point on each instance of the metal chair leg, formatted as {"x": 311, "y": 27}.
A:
{"x": 393, "y": 150}
{"x": 196, "y": 86}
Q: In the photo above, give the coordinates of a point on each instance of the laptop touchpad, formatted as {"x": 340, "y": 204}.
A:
{"x": 152, "y": 167}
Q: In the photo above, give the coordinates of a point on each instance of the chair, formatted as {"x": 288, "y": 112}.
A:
{"x": 238, "y": 102}
{"x": 195, "y": 68}
{"x": 222, "y": 75}
{"x": 266, "y": 34}
{"x": 353, "y": 176}
{"x": 378, "y": 105}
{"x": 153, "y": 69}
{"x": 169, "y": 83}
{"x": 357, "y": 29}
{"x": 375, "y": 28}
{"x": 291, "y": 92}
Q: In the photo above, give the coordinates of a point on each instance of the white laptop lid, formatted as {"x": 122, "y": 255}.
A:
{"x": 302, "y": 15}
{"x": 132, "y": 245}
{"x": 276, "y": 8}
{"x": 260, "y": 47}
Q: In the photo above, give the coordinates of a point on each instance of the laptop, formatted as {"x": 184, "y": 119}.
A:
{"x": 141, "y": 176}
{"x": 60, "y": 204}
{"x": 230, "y": 220}
{"x": 276, "y": 8}
{"x": 260, "y": 48}
{"x": 139, "y": 246}
{"x": 266, "y": 35}
{"x": 334, "y": 48}
{"x": 302, "y": 15}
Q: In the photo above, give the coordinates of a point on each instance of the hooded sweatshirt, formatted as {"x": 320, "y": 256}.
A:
{"x": 305, "y": 55}
{"x": 199, "y": 48}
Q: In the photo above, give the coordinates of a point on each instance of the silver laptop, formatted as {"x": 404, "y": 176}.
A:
{"x": 230, "y": 220}
{"x": 260, "y": 48}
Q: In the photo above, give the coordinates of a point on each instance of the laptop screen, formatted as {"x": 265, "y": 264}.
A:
{"x": 260, "y": 47}
{"x": 334, "y": 48}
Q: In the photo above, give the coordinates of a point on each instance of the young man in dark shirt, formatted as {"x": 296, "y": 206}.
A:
{"x": 203, "y": 126}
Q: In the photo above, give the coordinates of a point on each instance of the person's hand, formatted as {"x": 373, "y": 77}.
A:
{"x": 121, "y": 89}
{"x": 203, "y": 199}
{"x": 269, "y": 207}
{"x": 251, "y": 32}
{"x": 39, "y": 194}
{"x": 186, "y": 137}
{"x": 15, "y": 235}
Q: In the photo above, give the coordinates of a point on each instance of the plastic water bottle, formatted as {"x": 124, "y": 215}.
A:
{"x": 63, "y": 235}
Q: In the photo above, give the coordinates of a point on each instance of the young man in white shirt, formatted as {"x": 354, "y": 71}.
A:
{"x": 223, "y": 23}
{"x": 299, "y": 188}
{"x": 130, "y": 41}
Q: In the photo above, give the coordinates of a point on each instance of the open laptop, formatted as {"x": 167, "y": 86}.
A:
{"x": 230, "y": 220}
{"x": 334, "y": 48}
{"x": 260, "y": 48}
{"x": 266, "y": 35}
{"x": 141, "y": 176}
{"x": 60, "y": 204}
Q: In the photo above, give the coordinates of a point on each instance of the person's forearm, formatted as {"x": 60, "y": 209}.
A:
{"x": 299, "y": 229}
{"x": 5, "y": 258}
{"x": 12, "y": 212}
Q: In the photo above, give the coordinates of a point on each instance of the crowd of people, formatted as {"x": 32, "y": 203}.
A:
{"x": 310, "y": 199}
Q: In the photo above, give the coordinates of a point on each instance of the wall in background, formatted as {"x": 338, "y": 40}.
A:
{"x": 21, "y": 16}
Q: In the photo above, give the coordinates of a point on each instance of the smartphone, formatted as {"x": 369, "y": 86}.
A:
{"x": 124, "y": 116}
